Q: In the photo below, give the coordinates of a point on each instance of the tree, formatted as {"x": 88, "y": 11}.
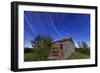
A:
{"x": 84, "y": 45}
{"x": 37, "y": 41}
{"x": 42, "y": 45}
{"x": 83, "y": 48}
{"x": 79, "y": 44}
{"x": 47, "y": 44}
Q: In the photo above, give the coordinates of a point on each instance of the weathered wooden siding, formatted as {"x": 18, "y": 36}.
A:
{"x": 68, "y": 48}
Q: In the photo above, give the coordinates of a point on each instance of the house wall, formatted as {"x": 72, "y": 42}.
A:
{"x": 69, "y": 48}
{"x": 57, "y": 48}
{"x": 52, "y": 55}
{"x": 57, "y": 44}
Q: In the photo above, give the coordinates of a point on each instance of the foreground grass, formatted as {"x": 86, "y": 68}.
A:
{"x": 31, "y": 57}
{"x": 28, "y": 57}
{"x": 78, "y": 55}
{"x": 34, "y": 55}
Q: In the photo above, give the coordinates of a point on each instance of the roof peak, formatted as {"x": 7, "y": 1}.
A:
{"x": 63, "y": 39}
{"x": 66, "y": 38}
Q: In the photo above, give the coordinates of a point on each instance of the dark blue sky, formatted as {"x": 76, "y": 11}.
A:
{"x": 57, "y": 25}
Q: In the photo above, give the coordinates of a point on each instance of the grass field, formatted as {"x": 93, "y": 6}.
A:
{"x": 28, "y": 57}
{"x": 78, "y": 55}
{"x": 31, "y": 55}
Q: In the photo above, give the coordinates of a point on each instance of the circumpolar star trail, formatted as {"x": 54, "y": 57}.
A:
{"x": 57, "y": 25}
{"x": 53, "y": 26}
{"x": 29, "y": 24}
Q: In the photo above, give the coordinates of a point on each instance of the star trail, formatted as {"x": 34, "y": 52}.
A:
{"x": 57, "y": 25}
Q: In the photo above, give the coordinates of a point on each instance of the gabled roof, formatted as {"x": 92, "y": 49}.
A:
{"x": 63, "y": 39}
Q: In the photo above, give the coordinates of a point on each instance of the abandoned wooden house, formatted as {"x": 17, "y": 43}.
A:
{"x": 62, "y": 49}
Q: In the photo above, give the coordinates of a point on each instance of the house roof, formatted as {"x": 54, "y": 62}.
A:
{"x": 63, "y": 39}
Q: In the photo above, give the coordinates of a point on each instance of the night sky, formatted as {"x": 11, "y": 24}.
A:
{"x": 57, "y": 25}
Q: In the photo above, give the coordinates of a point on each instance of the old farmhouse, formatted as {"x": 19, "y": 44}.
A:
{"x": 62, "y": 49}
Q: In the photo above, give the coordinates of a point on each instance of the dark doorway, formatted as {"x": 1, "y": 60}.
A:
{"x": 61, "y": 46}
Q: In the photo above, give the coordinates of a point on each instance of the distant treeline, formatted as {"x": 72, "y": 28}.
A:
{"x": 83, "y": 48}
{"x": 28, "y": 50}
